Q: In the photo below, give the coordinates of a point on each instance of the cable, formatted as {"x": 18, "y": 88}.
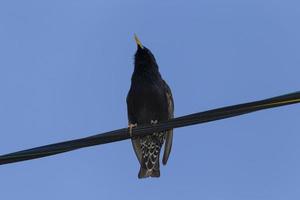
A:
{"x": 123, "y": 134}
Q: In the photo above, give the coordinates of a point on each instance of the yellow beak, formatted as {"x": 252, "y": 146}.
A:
{"x": 138, "y": 42}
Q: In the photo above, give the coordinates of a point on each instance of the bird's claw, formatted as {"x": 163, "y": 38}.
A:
{"x": 153, "y": 121}
{"x": 130, "y": 126}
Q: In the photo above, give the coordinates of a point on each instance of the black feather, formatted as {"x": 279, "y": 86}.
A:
{"x": 149, "y": 99}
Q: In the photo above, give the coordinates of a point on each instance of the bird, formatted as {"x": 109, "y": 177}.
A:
{"x": 149, "y": 101}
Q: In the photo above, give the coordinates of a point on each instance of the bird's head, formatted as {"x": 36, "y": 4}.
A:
{"x": 143, "y": 57}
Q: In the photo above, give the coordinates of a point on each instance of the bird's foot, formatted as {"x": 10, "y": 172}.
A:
{"x": 130, "y": 127}
{"x": 153, "y": 121}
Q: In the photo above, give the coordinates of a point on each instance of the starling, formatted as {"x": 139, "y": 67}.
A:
{"x": 149, "y": 101}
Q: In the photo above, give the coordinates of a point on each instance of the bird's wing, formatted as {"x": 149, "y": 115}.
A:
{"x": 137, "y": 149}
{"x": 131, "y": 120}
{"x": 169, "y": 133}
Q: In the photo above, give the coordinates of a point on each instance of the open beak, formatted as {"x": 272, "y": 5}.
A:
{"x": 138, "y": 42}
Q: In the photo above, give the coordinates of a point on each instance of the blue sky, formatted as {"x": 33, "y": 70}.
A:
{"x": 65, "y": 71}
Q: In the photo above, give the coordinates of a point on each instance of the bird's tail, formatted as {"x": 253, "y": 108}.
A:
{"x": 149, "y": 170}
{"x": 150, "y": 148}
{"x": 145, "y": 173}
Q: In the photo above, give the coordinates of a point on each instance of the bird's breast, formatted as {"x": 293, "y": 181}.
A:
{"x": 148, "y": 102}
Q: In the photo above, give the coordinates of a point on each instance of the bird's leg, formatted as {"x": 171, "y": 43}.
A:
{"x": 160, "y": 135}
{"x": 130, "y": 126}
{"x": 153, "y": 121}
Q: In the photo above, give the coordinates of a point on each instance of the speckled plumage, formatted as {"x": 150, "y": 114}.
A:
{"x": 149, "y": 100}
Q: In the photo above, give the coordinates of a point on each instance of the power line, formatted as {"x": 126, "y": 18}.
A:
{"x": 123, "y": 134}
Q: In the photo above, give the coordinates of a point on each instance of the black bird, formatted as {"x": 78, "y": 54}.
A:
{"x": 149, "y": 100}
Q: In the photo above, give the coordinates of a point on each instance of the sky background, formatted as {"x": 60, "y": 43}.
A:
{"x": 65, "y": 71}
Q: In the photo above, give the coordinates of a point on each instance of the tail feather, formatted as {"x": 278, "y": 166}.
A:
{"x": 145, "y": 173}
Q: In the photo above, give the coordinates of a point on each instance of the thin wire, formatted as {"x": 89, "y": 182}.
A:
{"x": 123, "y": 134}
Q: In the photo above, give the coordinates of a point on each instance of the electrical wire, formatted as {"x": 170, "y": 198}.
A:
{"x": 123, "y": 134}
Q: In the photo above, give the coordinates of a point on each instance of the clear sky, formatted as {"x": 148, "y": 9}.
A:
{"x": 65, "y": 71}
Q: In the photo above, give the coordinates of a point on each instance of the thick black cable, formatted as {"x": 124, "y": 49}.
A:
{"x": 123, "y": 134}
